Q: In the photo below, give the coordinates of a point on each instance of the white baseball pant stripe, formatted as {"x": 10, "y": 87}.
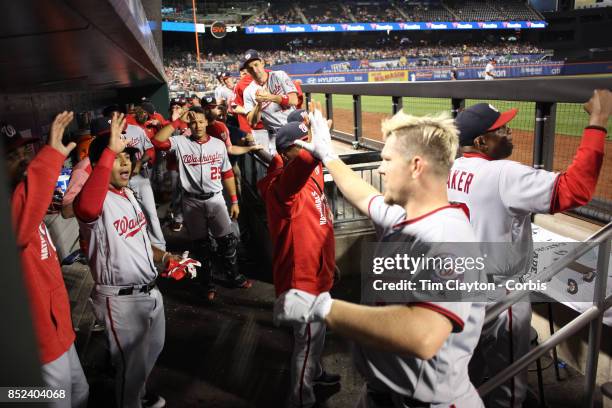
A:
{"x": 141, "y": 186}
{"x": 66, "y": 373}
{"x": 309, "y": 340}
{"x": 136, "y": 329}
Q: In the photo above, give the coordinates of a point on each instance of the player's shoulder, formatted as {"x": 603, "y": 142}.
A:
{"x": 216, "y": 143}
{"x": 448, "y": 224}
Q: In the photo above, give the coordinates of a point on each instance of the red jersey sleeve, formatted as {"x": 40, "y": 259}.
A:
{"x": 32, "y": 196}
{"x": 90, "y": 201}
{"x": 575, "y": 187}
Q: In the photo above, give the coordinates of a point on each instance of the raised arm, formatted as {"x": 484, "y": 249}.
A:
{"x": 356, "y": 190}
{"x": 576, "y": 186}
{"x": 32, "y": 197}
{"x": 160, "y": 141}
{"x": 89, "y": 203}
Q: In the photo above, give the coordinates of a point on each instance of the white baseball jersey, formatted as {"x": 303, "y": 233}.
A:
{"x": 137, "y": 138}
{"x": 200, "y": 164}
{"x": 222, "y": 92}
{"x": 489, "y": 69}
{"x": 119, "y": 249}
{"x": 443, "y": 379}
{"x": 273, "y": 115}
{"x": 500, "y": 196}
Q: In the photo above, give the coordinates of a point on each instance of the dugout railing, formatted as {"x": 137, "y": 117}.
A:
{"x": 253, "y": 169}
{"x": 550, "y": 129}
{"x": 593, "y": 316}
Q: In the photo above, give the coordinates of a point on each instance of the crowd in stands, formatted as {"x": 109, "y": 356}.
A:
{"x": 383, "y": 11}
{"x": 183, "y": 75}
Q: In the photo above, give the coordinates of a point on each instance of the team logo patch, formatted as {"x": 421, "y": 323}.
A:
{"x": 248, "y": 56}
{"x": 8, "y": 131}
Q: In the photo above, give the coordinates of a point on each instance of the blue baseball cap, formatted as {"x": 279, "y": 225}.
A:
{"x": 250, "y": 55}
{"x": 480, "y": 119}
{"x": 289, "y": 133}
{"x": 297, "y": 115}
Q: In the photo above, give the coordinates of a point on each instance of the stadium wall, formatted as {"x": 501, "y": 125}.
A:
{"x": 443, "y": 74}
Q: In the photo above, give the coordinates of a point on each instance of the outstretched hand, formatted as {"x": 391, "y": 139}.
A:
{"x": 320, "y": 145}
{"x": 56, "y": 134}
{"x": 117, "y": 142}
{"x": 599, "y": 107}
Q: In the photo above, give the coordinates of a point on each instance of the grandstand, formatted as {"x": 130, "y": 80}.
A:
{"x": 347, "y": 11}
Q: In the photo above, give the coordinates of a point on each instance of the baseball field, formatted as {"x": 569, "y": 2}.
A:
{"x": 570, "y": 122}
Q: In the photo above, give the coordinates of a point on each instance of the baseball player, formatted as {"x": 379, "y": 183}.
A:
{"x": 501, "y": 195}
{"x": 411, "y": 355}
{"x": 172, "y": 167}
{"x": 219, "y": 130}
{"x": 258, "y": 132}
{"x": 121, "y": 259}
{"x": 139, "y": 182}
{"x": 224, "y": 93}
{"x": 489, "y": 72}
{"x": 47, "y": 295}
{"x": 270, "y": 97}
{"x": 204, "y": 170}
{"x": 296, "y": 207}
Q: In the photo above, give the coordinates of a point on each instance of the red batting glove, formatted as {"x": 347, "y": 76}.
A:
{"x": 178, "y": 269}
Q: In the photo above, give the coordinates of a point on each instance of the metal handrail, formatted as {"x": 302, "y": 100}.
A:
{"x": 593, "y": 316}
{"x": 550, "y": 271}
{"x": 560, "y": 335}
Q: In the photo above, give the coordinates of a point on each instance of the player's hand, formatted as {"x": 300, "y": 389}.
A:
{"x": 154, "y": 122}
{"x": 56, "y": 133}
{"x": 599, "y": 107}
{"x": 298, "y": 306}
{"x": 234, "y": 211}
{"x": 320, "y": 145}
{"x": 179, "y": 267}
{"x": 263, "y": 95}
{"x": 187, "y": 116}
{"x": 178, "y": 112}
{"x": 117, "y": 142}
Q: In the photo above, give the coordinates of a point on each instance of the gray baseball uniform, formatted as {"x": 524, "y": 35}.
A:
{"x": 121, "y": 263}
{"x": 500, "y": 196}
{"x": 141, "y": 185}
{"x": 202, "y": 166}
{"x": 223, "y": 93}
{"x": 443, "y": 380}
{"x": 273, "y": 115}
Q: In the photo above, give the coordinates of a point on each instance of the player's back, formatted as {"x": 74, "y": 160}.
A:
{"x": 501, "y": 195}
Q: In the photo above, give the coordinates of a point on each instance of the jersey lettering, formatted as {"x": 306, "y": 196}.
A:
{"x": 195, "y": 160}
{"x": 460, "y": 180}
{"x": 130, "y": 227}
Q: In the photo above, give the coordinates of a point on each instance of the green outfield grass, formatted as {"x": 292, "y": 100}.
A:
{"x": 571, "y": 118}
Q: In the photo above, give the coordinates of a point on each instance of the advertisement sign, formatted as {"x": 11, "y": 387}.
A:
{"x": 387, "y": 76}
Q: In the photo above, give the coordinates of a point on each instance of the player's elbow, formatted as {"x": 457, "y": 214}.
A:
{"x": 428, "y": 347}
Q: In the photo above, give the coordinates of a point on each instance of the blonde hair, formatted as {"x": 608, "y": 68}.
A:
{"x": 433, "y": 136}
